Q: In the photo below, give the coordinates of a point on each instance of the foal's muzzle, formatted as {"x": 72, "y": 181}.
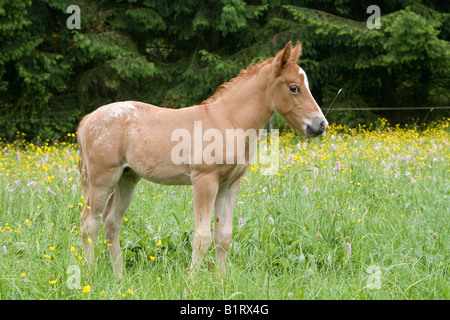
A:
{"x": 317, "y": 127}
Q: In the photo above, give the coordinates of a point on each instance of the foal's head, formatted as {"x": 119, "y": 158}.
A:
{"x": 291, "y": 96}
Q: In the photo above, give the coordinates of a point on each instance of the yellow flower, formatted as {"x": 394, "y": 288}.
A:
{"x": 130, "y": 291}
{"x": 125, "y": 219}
{"x": 47, "y": 256}
{"x": 23, "y": 274}
{"x": 53, "y": 281}
{"x": 72, "y": 249}
{"x": 86, "y": 289}
{"x": 102, "y": 292}
{"x": 159, "y": 243}
{"x": 89, "y": 240}
{"x": 52, "y": 248}
{"x": 152, "y": 258}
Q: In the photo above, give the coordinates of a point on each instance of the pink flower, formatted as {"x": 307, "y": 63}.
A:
{"x": 18, "y": 155}
{"x": 271, "y": 220}
{"x": 68, "y": 154}
{"x": 32, "y": 183}
{"x": 241, "y": 222}
{"x": 337, "y": 167}
{"x": 305, "y": 189}
{"x": 50, "y": 190}
{"x": 349, "y": 248}
{"x": 240, "y": 203}
{"x": 291, "y": 159}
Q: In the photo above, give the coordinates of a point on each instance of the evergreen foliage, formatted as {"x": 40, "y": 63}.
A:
{"x": 175, "y": 53}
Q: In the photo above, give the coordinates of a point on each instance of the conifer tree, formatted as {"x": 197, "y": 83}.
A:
{"x": 175, "y": 53}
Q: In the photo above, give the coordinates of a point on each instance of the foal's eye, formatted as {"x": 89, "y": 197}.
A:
{"x": 294, "y": 88}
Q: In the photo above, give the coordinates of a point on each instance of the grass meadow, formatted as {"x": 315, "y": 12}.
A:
{"x": 360, "y": 213}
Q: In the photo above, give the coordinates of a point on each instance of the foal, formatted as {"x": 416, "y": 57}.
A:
{"x": 122, "y": 142}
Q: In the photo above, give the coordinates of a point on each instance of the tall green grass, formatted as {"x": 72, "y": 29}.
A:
{"x": 388, "y": 202}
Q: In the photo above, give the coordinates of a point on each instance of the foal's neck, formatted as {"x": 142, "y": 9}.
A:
{"x": 247, "y": 105}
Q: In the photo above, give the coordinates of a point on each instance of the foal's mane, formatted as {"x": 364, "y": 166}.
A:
{"x": 252, "y": 69}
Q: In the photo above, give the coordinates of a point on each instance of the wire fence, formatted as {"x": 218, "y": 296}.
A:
{"x": 389, "y": 109}
{"x": 332, "y": 109}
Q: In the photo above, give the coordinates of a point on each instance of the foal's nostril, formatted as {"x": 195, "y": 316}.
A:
{"x": 322, "y": 127}
{"x": 317, "y": 127}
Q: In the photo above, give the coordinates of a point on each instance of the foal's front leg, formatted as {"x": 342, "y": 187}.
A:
{"x": 205, "y": 189}
{"x": 223, "y": 227}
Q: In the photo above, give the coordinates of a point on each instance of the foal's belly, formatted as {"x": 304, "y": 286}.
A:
{"x": 169, "y": 179}
{"x": 161, "y": 171}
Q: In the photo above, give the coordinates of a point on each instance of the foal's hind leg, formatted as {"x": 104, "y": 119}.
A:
{"x": 96, "y": 201}
{"x": 100, "y": 188}
{"x": 113, "y": 216}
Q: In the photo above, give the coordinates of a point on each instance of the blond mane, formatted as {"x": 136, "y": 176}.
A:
{"x": 252, "y": 69}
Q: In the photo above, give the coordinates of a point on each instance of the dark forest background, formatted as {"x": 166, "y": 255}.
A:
{"x": 175, "y": 53}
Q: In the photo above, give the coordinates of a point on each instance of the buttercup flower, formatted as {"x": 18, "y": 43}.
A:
{"x": 86, "y": 289}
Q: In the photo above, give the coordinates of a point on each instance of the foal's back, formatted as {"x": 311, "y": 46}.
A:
{"x": 137, "y": 135}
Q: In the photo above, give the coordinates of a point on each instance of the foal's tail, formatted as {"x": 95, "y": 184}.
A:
{"x": 82, "y": 165}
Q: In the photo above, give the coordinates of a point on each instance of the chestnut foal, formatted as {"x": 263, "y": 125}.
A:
{"x": 122, "y": 142}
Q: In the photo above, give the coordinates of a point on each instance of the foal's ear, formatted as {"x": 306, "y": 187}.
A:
{"x": 296, "y": 52}
{"x": 282, "y": 57}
